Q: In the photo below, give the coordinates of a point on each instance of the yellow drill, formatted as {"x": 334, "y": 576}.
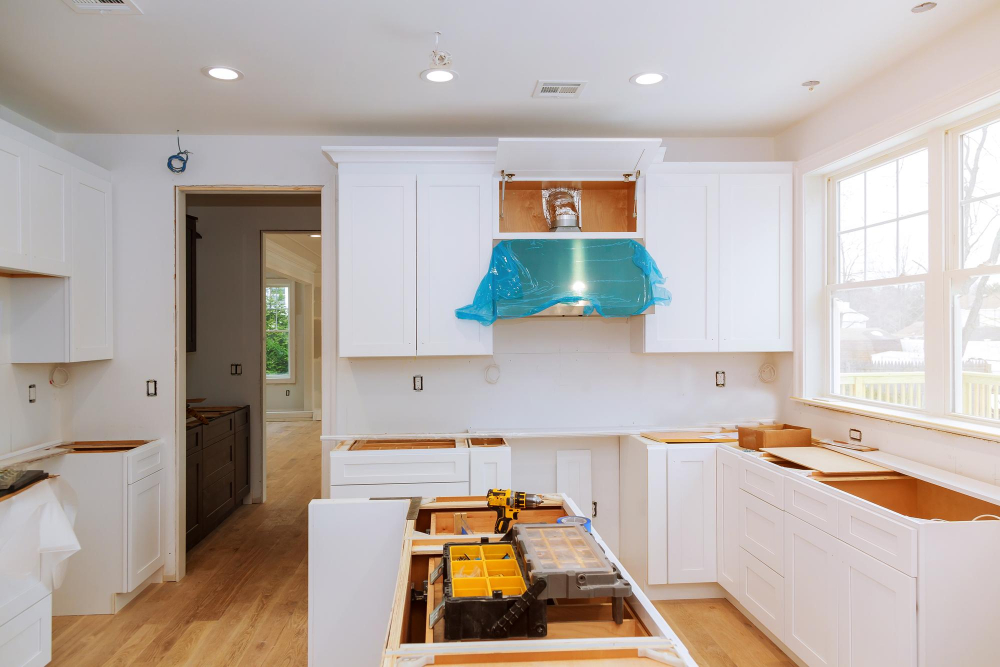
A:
{"x": 507, "y": 504}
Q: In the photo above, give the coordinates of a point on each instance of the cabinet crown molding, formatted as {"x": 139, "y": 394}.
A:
{"x": 465, "y": 154}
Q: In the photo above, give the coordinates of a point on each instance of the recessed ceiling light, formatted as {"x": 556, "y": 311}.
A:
{"x": 810, "y": 85}
{"x": 315, "y": 236}
{"x": 438, "y": 75}
{"x": 222, "y": 73}
{"x": 924, "y": 7}
{"x": 647, "y": 78}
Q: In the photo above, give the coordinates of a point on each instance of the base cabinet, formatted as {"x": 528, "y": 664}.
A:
{"x": 146, "y": 499}
{"x": 727, "y": 535}
{"x": 762, "y": 592}
{"x": 26, "y": 639}
{"x": 811, "y": 617}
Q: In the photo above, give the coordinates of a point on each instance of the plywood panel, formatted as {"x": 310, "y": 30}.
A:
{"x": 825, "y": 461}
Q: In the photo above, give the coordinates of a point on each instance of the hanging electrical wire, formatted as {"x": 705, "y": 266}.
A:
{"x": 178, "y": 163}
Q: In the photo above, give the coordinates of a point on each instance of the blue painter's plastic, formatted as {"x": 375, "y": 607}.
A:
{"x": 580, "y": 520}
{"x": 615, "y": 278}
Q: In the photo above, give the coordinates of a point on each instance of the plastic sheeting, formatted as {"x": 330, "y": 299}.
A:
{"x": 614, "y": 278}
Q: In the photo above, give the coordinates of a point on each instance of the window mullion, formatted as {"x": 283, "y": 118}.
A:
{"x": 936, "y": 311}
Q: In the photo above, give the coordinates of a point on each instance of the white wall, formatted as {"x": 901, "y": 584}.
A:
{"x": 229, "y": 305}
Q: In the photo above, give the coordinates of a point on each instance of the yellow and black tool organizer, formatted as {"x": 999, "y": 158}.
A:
{"x": 486, "y": 595}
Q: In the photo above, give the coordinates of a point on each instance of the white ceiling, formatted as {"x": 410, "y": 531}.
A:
{"x": 301, "y": 245}
{"x": 334, "y": 67}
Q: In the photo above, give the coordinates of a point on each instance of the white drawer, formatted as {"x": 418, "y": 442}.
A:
{"x": 144, "y": 461}
{"x": 758, "y": 479}
{"x": 399, "y": 467}
{"x": 811, "y": 505}
{"x": 762, "y": 593}
{"x": 427, "y": 490}
{"x": 762, "y": 530}
{"x": 889, "y": 541}
{"x": 26, "y": 639}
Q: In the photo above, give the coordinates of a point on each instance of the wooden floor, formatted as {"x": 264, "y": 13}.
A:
{"x": 243, "y": 601}
{"x": 718, "y": 635}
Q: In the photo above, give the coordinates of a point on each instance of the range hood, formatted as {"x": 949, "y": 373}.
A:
{"x": 567, "y": 277}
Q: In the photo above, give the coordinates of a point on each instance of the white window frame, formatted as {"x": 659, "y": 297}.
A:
{"x": 943, "y": 366}
{"x": 280, "y": 379}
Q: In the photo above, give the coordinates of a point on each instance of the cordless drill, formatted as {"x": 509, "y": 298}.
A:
{"x": 507, "y": 504}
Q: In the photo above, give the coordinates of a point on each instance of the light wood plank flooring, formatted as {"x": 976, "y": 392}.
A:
{"x": 243, "y": 601}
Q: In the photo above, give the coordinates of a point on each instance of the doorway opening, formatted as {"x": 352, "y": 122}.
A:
{"x": 224, "y": 379}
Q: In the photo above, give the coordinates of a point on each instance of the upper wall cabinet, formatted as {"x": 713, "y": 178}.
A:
{"x": 413, "y": 242}
{"x": 13, "y": 205}
{"x": 90, "y": 290}
{"x": 722, "y": 236}
{"x": 50, "y": 196}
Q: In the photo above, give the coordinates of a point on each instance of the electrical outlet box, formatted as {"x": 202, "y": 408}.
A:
{"x": 854, "y": 434}
{"x": 720, "y": 378}
{"x": 418, "y": 383}
{"x": 151, "y": 388}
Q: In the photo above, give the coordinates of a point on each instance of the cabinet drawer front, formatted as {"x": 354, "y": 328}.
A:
{"x": 219, "y": 428}
{"x": 402, "y": 467}
{"x": 762, "y": 529}
{"x": 762, "y": 592}
{"x": 242, "y": 418}
{"x": 760, "y": 481}
{"x": 26, "y": 639}
{"x": 878, "y": 536}
{"x": 219, "y": 459}
{"x": 144, "y": 461}
{"x": 811, "y": 505}
{"x": 195, "y": 439}
{"x": 427, "y": 490}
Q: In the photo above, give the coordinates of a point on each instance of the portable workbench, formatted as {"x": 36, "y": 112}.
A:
{"x": 369, "y": 605}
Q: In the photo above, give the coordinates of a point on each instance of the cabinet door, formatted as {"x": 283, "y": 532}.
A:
{"x": 242, "y": 460}
{"x": 877, "y": 612}
{"x": 454, "y": 244}
{"x": 91, "y": 304}
{"x": 192, "y": 503}
{"x": 574, "y": 478}
{"x": 727, "y": 532}
{"x": 145, "y": 528}
{"x": 811, "y": 568}
{"x": 377, "y": 253}
{"x": 691, "y": 556}
{"x": 755, "y": 262}
{"x": 682, "y": 235}
{"x": 489, "y": 468}
{"x": 14, "y": 233}
{"x": 49, "y": 194}
{"x": 762, "y": 592}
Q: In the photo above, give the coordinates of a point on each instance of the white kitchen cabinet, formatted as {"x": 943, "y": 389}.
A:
{"x": 454, "y": 242}
{"x": 146, "y": 500}
{"x": 755, "y": 262}
{"x": 721, "y": 234}
{"x": 574, "y": 477}
{"x": 26, "y": 639}
{"x": 91, "y": 306}
{"x": 877, "y": 622}
{"x": 682, "y": 235}
{"x": 377, "y": 253}
{"x": 811, "y": 616}
{"x": 50, "y": 196}
{"x": 14, "y": 216}
{"x": 727, "y": 532}
{"x": 762, "y": 593}
{"x": 762, "y": 530}
{"x": 691, "y": 556}
{"x": 489, "y": 468}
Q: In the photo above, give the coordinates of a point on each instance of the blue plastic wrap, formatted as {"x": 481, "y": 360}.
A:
{"x": 615, "y": 278}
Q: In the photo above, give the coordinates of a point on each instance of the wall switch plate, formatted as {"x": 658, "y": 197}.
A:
{"x": 418, "y": 383}
{"x": 150, "y": 387}
{"x": 32, "y": 393}
{"x": 239, "y": 369}
{"x": 720, "y": 378}
{"x": 288, "y": 392}
{"x": 232, "y": 369}
{"x": 854, "y": 434}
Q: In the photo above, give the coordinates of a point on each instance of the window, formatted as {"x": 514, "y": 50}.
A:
{"x": 877, "y": 299}
{"x": 279, "y": 320}
{"x": 913, "y": 284}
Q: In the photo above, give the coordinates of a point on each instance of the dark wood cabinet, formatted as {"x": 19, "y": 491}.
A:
{"x": 218, "y": 471}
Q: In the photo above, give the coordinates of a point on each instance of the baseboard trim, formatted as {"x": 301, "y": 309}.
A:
{"x": 288, "y": 415}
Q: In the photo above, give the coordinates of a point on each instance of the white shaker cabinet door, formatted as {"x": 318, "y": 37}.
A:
{"x": 49, "y": 195}
{"x": 755, "y": 262}
{"x": 14, "y": 234}
{"x": 727, "y": 532}
{"x": 91, "y": 302}
{"x": 146, "y": 500}
{"x": 682, "y": 236}
{"x": 377, "y": 252}
{"x": 454, "y": 244}
{"x": 691, "y": 556}
{"x": 877, "y": 612}
{"x": 810, "y": 591}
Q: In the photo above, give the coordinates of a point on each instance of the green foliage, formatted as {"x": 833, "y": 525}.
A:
{"x": 276, "y": 321}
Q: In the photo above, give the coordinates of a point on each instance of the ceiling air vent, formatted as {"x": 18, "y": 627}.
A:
{"x": 564, "y": 89}
{"x": 103, "y": 6}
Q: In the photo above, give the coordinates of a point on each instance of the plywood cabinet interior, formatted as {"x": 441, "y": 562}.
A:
{"x": 413, "y": 246}
{"x": 721, "y": 235}
{"x": 606, "y": 207}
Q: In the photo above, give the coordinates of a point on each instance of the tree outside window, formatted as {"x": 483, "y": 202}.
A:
{"x": 279, "y": 296}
